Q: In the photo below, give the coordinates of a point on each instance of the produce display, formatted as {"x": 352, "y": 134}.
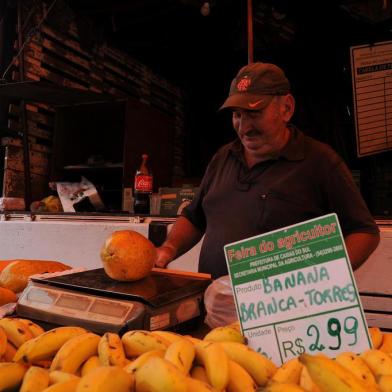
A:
{"x": 70, "y": 358}
{"x": 14, "y": 274}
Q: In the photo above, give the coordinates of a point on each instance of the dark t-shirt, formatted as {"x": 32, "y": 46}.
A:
{"x": 307, "y": 180}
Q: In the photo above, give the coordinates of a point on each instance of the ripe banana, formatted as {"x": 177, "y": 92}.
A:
{"x": 159, "y": 375}
{"x": 358, "y": 367}
{"x": 111, "y": 350}
{"x": 275, "y": 386}
{"x": 192, "y": 339}
{"x": 306, "y": 382}
{"x": 34, "y": 328}
{"x": 46, "y": 345}
{"x": 17, "y": 332}
{"x": 385, "y": 383}
{"x": 142, "y": 359}
{"x": 11, "y": 375}
{"x": 92, "y": 363}
{"x": 239, "y": 379}
{"x": 195, "y": 385}
{"x": 257, "y": 365}
{"x": 225, "y": 334}
{"x": 9, "y": 353}
{"x": 289, "y": 372}
{"x": 36, "y": 379}
{"x": 386, "y": 344}
{"x": 215, "y": 361}
{"x": 138, "y": 342}
{"x": 74, "y": 352}
{"x": 199, "y": 373}
{"x": 375, "y": 336}
{"x": 3, "y": 341}
{"x": 57, "y": 376}
{"x": 168, "y": 335}
{"x": 181, "y": 354}
{"x": 328, "y": 375}
{"x": 64, "y": 386}
{"x": 105, "y": 379}
{"x": 378, "y": 362}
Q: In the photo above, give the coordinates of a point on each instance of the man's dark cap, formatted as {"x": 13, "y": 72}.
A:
{"x": 255, "y": 85}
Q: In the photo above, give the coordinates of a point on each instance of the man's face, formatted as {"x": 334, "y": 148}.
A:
{"x": 264, "y": 133}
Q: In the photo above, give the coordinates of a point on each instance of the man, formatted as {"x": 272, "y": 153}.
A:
{"x": 272, "y": 176}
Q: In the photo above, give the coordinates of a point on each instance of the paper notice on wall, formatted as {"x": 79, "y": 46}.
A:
{"x": 371, "y": 67}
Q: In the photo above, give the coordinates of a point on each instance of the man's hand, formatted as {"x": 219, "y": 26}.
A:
{"x": 165, "y": 254}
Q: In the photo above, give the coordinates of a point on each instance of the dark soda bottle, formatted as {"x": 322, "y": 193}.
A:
{"x": 142, "y": 188}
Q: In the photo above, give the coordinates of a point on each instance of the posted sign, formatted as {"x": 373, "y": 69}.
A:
{"x": 295, "y": 292}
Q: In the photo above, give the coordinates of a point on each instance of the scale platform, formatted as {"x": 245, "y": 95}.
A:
{"x": 165, "y": 299}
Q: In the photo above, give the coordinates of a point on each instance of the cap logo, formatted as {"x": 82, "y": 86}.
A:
{"x": 243, "y": 84}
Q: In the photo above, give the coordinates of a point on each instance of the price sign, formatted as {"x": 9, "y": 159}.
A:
{"x": 295, "y": 292}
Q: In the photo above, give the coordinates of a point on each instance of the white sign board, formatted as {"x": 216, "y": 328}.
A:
{"x": 295, "y": 292}
{"x": 371, "y": 67}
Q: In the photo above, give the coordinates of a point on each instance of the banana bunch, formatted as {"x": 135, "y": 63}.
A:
{"x": 73, "y": 359}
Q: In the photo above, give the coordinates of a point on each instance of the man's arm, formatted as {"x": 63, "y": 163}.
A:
{"x": 182, "y": 237}
{"x": 360, "y": 246}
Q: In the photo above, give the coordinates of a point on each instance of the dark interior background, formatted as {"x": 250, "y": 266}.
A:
{"x": 310, "y": 40}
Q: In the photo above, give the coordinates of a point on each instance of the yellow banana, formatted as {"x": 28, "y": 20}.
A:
{"x": 239, "y": 379}
{"x": 92, "y": 363}
{"x": 63, "y": 386}
{"x": 306, "y": 382}
{"x": 386, "y": 344}
{"x": 181, "y": 354}
{"x": 159, "y": 375}
{"x": 192, "y": 339}
{"x": 289, "y": 372}
{"x": 57, "y": 376}
{"x": 379, "y": 363}
{"x": 34, "y": 328}
{"x": 199, "y": 373}
{"x": 138, "y": 342}
{"x": 385, "y": 383}
{"x": 225, "y": 334}
{"x": 46, "y": 345}
{"x": 9, "y": 353}
{"x": 375, "y": 336}
{"x": 168, "y": 335}
{"x": 74, "y": 352}
{"x": 105, "y": 379}
{"x": 257, "y": 365}
{"x": 11, "y": 375}
{"x": 111, "y": 350}
{"x": 358, "y": 367}
{"x": 275, "y": 386}
{"x": 142, "y": 359}
{"x": 3, "y": 341}
{"x": 17, "y": 332}
{"x": 328, "y": 375}
{"x": 36, "y": 379}
{"x": 195, "y": 385}
{"x": 215, "y": 361}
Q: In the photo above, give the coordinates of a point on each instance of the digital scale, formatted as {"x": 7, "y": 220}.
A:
{"x": 164, "y": 300}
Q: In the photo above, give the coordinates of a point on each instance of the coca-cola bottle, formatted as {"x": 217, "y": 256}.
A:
{"x": 143, "y": 188}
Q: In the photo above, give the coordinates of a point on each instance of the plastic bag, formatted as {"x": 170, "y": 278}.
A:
{"x": 219, "y": 303}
